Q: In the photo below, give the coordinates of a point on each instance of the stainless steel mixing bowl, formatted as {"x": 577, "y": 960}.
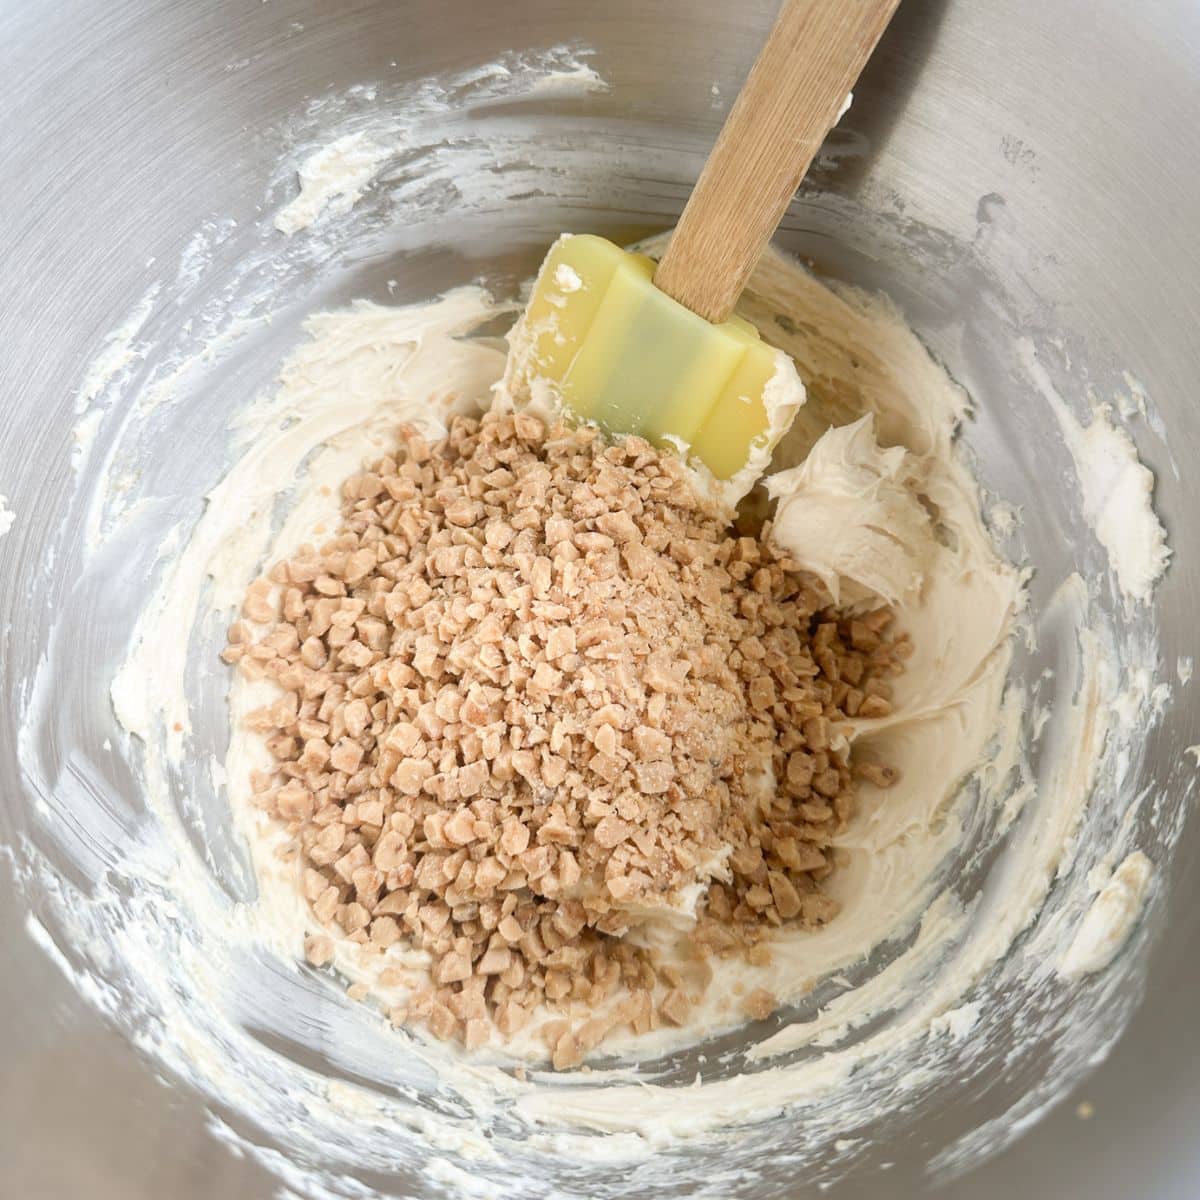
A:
{"x": 1049, "y": 150}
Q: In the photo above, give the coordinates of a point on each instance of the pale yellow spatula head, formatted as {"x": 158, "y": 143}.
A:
{"x": 623, "y": 354}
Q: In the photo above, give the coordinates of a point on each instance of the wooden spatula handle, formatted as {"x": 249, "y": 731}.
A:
{"x": 788, "y": 104}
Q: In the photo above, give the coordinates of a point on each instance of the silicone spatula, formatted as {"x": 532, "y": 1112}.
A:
{"x": 655, "y": 349}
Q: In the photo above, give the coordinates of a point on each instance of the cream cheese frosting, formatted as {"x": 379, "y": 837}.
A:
{"x": 1110, "y": 920}
{"x": 371, "y": 367}
{"x": 851, "y": 513}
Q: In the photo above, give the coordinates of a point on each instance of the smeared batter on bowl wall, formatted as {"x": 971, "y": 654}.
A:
{"x": 152, "y": 911}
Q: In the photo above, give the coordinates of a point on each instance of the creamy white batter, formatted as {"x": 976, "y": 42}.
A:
{"x": 912, "y": 979}
{"x": 369, "y": 368}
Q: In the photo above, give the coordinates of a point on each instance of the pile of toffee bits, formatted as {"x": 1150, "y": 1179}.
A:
{"x": 531, "y": 691}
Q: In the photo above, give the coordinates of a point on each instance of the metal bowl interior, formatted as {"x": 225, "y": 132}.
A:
{"x": 1010, "y": 170}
